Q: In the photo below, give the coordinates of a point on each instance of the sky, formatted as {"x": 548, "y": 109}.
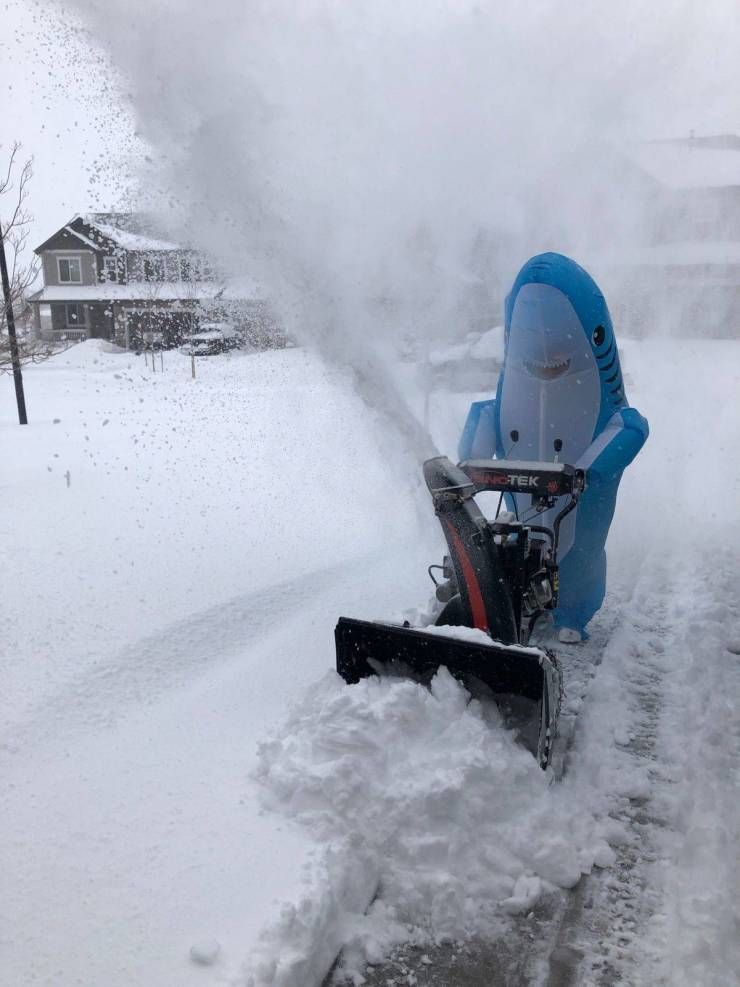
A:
{"x": 60, "y": 99}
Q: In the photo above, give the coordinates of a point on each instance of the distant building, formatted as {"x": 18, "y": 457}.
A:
{"x": 107, "y": 277}
{"x": 684, "y": 275}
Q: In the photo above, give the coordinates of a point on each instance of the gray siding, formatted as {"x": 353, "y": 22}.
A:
{"x": 88, "y": 265}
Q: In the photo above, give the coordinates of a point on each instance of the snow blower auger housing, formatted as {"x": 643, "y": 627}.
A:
{"x": 500, "y": 576}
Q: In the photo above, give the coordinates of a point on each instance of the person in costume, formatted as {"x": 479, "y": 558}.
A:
{"x": 561, "y": 396}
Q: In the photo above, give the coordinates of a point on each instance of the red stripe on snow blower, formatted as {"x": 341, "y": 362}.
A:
{"x": 477, "y": 606}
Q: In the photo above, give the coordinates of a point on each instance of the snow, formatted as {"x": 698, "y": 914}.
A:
{"x": 680, "y": 166}
{"x": 477, "y": 636}
{"x": 216, "y": 327}
{"x": 132, "y": 291}
{"x": 242, "y": 286}
{"x": 488, "y": 345}
{"x": 699, "y": 865}
{"x": 450, "y": 815}
{"x": 192, "y": 795}
{"x": 209, "y": 334}
{"x": 165, "y": 608}
{"x": 718, "y": 253}
{"x": 83, "y": 238}
{"x": 129, "y": 240}
{"x": 205, "y": 953}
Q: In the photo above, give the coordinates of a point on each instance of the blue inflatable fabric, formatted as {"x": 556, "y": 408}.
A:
{"x": 561, "y": 383}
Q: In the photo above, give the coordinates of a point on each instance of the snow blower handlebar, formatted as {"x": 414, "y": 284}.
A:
{"x": 512, "y": 476}
{"x": 544, "y": 481}
{"x": 451, "y": 486}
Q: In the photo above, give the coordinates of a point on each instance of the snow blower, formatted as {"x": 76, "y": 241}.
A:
{"x": 499, "y": 578}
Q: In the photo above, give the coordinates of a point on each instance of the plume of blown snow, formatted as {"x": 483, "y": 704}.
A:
{"x": 384, "y": 168}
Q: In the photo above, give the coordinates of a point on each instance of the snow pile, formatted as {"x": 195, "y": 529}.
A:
{"x": 300, "y": 947}
{"x": 486, "y": 346}
{"x": 453, "y": 820}
{"x": 489, "y": 345}
{"x": 128, "y": 239}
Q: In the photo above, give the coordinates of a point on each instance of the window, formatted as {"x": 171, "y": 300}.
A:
{"x": 74, "y": 315}
{"x": 171, "y": 267}
{"x": 110, "y": 269}
{"x": 154, "y": 269}
{"x": 70, "y": 270}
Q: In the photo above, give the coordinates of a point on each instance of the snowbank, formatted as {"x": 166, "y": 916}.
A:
{"x": 181, "y": 549}
{"x": 450, "y": 817}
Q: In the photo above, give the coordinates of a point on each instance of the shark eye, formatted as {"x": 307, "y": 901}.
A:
{"x": 599, "y": 335}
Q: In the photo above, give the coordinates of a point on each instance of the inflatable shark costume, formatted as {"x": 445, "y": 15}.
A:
{"x": 561, "y": 396}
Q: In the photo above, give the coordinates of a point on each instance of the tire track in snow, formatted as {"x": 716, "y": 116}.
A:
{"x": 597, "y": 934}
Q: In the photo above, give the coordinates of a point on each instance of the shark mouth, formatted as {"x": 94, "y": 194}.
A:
{"x": 546, "y": 371}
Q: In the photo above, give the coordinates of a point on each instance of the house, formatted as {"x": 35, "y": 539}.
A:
{"x": 107, "y": 276}
{"x": 683, "y": 275}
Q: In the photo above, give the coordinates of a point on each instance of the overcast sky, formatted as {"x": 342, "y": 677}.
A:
{"x": 56, "y": 99}
{"x": 61, "y": 97}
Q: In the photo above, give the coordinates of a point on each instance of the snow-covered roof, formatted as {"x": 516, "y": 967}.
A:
{"x": 82, "y": 238}
{"x": 689, "y": 253}
{"x": 241, "y": 286}
{"x": 126, "y": 238}
{"x": 486, "y": 346}
{"x": 687, "y": 164}
{"x": 150, "y": 291}
{"x": 206, "y": 335}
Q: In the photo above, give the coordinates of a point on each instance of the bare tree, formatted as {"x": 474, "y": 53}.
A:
{"x": 15, "y": 222}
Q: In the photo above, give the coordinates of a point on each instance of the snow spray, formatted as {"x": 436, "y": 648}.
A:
{"x": 383, "y": 169}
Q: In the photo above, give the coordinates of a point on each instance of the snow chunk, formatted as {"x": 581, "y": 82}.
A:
{"x": 490, "y": 345}
{"x": 527, "y": 891}
{"x": 205, "y": 953}
{"x": 476, "y": 636}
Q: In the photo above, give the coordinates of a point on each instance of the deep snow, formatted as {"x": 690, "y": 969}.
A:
{"x": 193, "y": 796}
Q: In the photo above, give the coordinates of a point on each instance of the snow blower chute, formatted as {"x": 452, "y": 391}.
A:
{"x": 499, "y": 578}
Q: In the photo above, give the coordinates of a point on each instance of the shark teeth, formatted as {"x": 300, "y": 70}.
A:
{"x": 546, "y": 371}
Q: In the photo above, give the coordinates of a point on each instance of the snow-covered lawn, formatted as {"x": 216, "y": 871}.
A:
{"x": 175, "y": 552}
{"x": 181, "y": 767}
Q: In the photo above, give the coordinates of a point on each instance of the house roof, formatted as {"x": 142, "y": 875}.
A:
{"x": 149, "y": 291}
{"x": 81, "y": 236}
{"x": 712, "y": 162}
{"x": 126, "y": 230}
{"x": 714, "y": 262}
{"x": 689, "y": 253}
{"x": 103, "y": 231}
{"x": 64, "y": 233}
